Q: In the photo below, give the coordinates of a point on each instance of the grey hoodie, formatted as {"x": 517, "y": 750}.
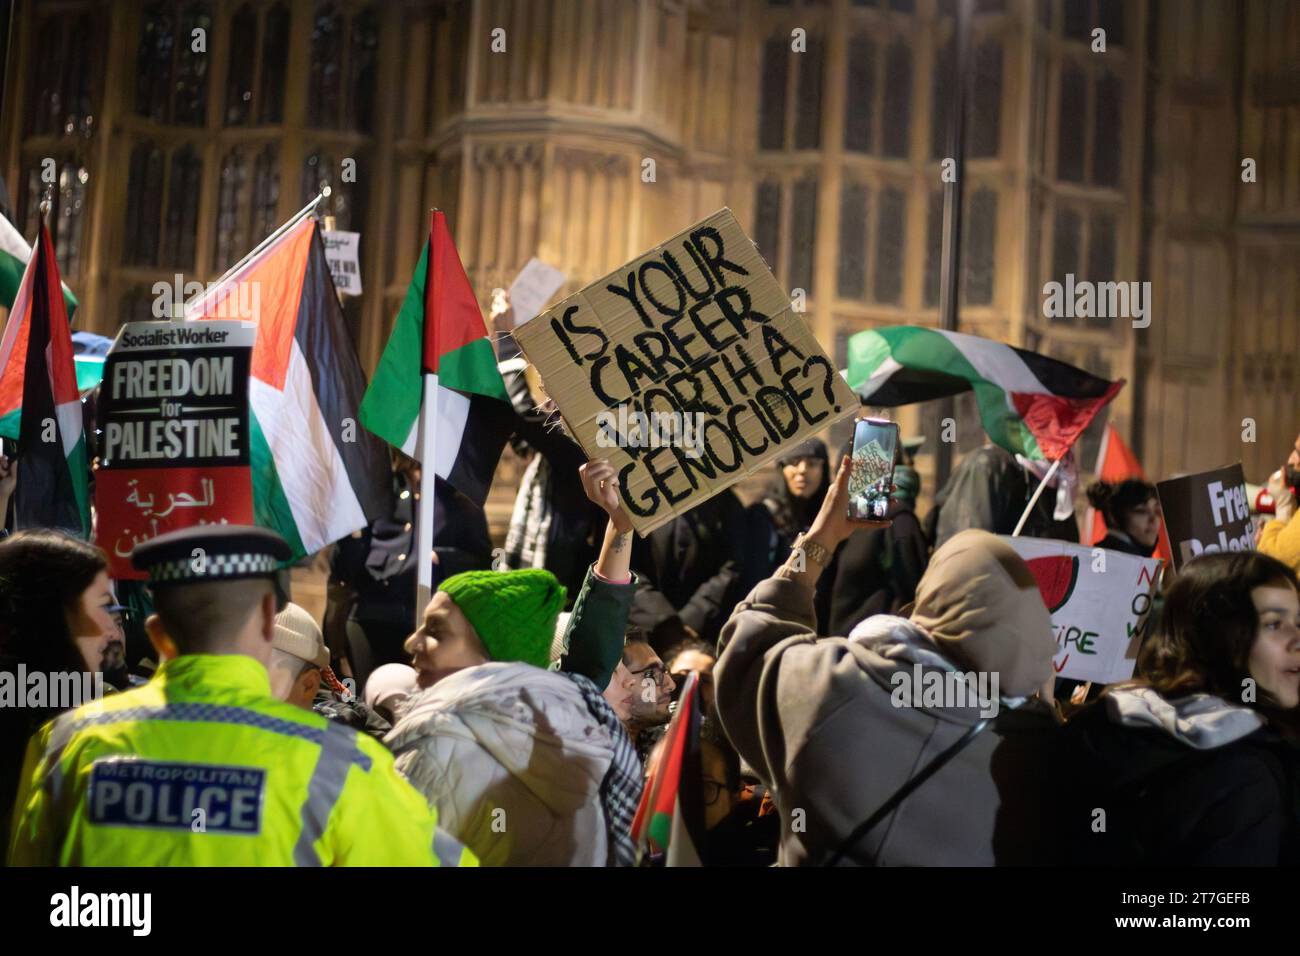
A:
{"x": 814, "y": 717}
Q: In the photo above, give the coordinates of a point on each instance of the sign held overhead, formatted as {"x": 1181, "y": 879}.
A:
{"x": 687, "y": 368}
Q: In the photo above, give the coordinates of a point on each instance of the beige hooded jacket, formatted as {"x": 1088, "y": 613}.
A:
{"x": 834, "y": 726}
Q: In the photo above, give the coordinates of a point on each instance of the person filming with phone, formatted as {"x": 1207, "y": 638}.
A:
{"x": 832, "y": 726}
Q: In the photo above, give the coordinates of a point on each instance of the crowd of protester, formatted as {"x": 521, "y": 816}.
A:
{"x": 528, "y": 706}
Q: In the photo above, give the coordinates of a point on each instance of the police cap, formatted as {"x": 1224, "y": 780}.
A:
{"x": 211, "y": 553}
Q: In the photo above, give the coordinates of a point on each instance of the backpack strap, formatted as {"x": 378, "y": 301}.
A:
{"x": 903, "y": 792}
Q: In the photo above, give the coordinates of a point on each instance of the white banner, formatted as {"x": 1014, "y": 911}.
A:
{"x": 1099, "y": 601}
{"x": 343, "y": 253}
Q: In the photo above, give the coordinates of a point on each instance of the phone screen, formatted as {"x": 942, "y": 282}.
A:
{"x": 875, "y": 442}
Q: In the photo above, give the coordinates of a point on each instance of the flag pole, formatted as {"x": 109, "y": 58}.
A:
{"x": 423, "y": 545}
{"x": 1037, "y": 493}
{"x": 285, "y": 227}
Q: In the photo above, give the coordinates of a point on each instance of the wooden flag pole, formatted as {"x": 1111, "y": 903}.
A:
{"x": 1034, "y": 500}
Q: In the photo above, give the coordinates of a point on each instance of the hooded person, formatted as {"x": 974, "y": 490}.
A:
{"x": 909, "y": 742}
{"x": 527, "y": 765}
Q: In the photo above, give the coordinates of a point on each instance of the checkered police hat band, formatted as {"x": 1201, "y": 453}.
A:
{"x": 214, "y": 566}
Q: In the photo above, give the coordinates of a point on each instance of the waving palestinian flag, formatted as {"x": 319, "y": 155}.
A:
{"x": 1029, "y": 404}
{"x": 440, "y": 336}
{"x": 39, "y": 402}
{"x": 317, "y": 476}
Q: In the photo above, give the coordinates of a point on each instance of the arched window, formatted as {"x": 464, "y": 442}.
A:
{"x": 181, "y": 225}
{"x": 323, "y": 77}
{"x": 767, "y": 222}
{"x": 771, "y": 108}
{"x": 803, "y": 235}
{"x": 241, "y": 74}
{"x": 897, "y": 116}
{"x": 1070, "y": 131}
{"x": 61, "y": 76}
{"x": 808, "y": 103}
{"x": 248, "y": 204}
{"x": 1108, "y": 129}
{"x": 171, "y": 74}
{"x": 361, "y": 70}
{"x": 266, "y": 194}
{"x": 1067, "y": 241}
{"x": 275, "y": 57}
{"x": 851, "y": 274}
{"x": 67, "y": 219}
{"x": 230, "y": 236}
{"x": 933, "y": 249}
{"x": 144, "y": 198}
{"x": 986, "y": 102}
{"x": 860, "y": 100}
{"x": 891, "y": 236}
{"x": 979, "y": 236}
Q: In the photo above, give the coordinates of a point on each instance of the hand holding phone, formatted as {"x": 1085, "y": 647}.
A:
{"x": 875, "y": 445}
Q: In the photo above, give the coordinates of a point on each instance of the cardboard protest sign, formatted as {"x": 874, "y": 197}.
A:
{"x": 174, "y": 449}
{"x": 686, "y": 368}
{"x": 1207, "y": 512}
{"x": 1099, "y": 601}
{"x": 533, "y": 287}
{"x": 343, "y": 256}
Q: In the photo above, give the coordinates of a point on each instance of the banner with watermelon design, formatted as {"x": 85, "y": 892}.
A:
{"x": 440, "y": 333}
{"x": 1029, "y": 404}
{"x": 1099, "y": 601}
{"x": 670, "y": 817}
{"x": 39, "y": 402}
{"x": 317, "y": 476}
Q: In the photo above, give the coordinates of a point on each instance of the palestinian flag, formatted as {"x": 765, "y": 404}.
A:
{"x": 670, "y": 818}
{"x": 14, "y": 253}
{"x": 316, "y": 475}
{"x": 40, "y": 404}
{"x": 1030, "y": 404}
{"x": 440, "y": 334}
{"x": 1116, "y": 462}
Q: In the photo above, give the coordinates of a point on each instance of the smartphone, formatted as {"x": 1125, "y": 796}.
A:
{"x": 875, "y": 445}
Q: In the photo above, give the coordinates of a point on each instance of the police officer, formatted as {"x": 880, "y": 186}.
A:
{"x": 202, "y": 766}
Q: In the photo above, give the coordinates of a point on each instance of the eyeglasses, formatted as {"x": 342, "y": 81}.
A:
{"x": 711, "y": 790}
{"x": 654, "y": 672}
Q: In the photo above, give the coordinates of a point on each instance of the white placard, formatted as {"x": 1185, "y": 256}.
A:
{"x": 1099, "y": 601}
{"x": 343, "y": 253}
{"x": 533, "y": 288}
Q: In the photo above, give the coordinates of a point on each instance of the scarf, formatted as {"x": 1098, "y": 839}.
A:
{"x": 620, "y": 791}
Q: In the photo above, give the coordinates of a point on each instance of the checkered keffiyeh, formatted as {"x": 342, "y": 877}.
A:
{"x": 620, "y": 791}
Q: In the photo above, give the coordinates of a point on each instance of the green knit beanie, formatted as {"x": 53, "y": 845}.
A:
{"x": 513, "y": 612}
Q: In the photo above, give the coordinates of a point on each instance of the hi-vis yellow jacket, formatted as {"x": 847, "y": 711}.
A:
{"x": 202, "y": 767}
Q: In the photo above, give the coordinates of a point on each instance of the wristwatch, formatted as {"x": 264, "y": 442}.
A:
{"x": 813, "y": 551}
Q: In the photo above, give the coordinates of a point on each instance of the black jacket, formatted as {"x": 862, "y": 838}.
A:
{"x": 1163, "y": 803}
{"x": 692, "y": 566}
{"x": 379, "y": 563}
